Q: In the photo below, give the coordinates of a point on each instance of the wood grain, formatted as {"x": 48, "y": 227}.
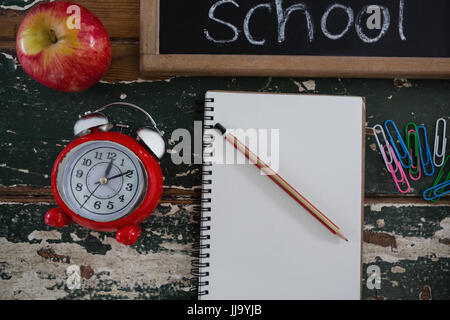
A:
{"x": 26, "y": 194}
{"x": 295, "y": 66}
{"x": 120, "y": 17}
{"x": 124, "y": 63}
{"x": 9, "y": 23}
{"x": 149, "y": 20}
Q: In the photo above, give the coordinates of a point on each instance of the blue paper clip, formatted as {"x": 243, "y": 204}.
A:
{"x": 429, "y": 161}
{"x": 437, "y": 190}
{"x": 406, "y": 153}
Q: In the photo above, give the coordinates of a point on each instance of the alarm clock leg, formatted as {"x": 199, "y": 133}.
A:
{"x": 129, "y": 234}
{"x": 56, "y": 217}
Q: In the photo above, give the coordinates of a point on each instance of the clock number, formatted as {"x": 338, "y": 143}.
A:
{"x": 110, "y": 205}
{"x": 129, "y": 175}
{"x": 97, "y": 205}
{"x": 129, "y": 187}
{"x": 79, "y": 173}
{"x": 122, "y": 162}
{"x": 79, "y": 187}
{"x": 122, "y": 198}
{"x": 87, "y": 162}
{"x": 111, "y": 156}
{"x": 98, "y": 155}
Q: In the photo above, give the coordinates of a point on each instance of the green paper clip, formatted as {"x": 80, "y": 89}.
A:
{"x": 440, "y": 177}
{"x": 411, "y": 132}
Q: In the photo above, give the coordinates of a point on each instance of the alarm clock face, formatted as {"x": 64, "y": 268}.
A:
{"x": 101, "y": 181}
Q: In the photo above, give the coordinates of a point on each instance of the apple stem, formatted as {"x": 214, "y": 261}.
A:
{"x": 53, "y": 38}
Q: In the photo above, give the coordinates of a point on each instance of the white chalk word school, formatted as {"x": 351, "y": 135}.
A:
{"x": 370, "y": 16}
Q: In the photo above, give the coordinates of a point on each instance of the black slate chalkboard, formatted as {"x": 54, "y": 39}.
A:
{"x": 409, "y": 28}
{"x": 317, "y": 38}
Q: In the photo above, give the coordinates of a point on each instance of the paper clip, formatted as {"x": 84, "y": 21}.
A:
{"x": 429, "y": 161}
{"x": 436, "y": 153}
{"x": 387, "y": 162}
{"x": 403, "y": 178}
{"x": 406, "y": 154}
{"x": 440, "y": 178}
{"x": 415, "y": 166}
{"x": 437, "y": 191}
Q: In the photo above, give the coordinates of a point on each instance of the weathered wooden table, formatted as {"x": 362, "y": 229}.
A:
{"x": 406, "y": 237}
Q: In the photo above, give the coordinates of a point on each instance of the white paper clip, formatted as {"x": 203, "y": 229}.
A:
{"x": 437, "y": 153}
{"x": 388, "y": 163}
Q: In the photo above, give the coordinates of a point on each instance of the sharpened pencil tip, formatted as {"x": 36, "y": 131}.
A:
{"x": 340, "y": 234}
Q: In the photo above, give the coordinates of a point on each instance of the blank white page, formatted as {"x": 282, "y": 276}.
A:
{"x": 263, "y": 244}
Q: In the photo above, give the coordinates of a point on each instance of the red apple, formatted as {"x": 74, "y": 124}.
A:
{"x": 63, "y": 46}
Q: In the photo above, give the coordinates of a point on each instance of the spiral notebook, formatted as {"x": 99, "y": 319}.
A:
{"x": 256, "y": 241}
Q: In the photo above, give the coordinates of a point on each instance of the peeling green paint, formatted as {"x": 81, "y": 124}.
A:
{"x": 23, "y": 227}
{"x": 408, "y": 221}
{"x": 18, "y": 4}
{"x": 409, "y": 284}
{"x": 18, "y": 223}
{"x": 37, "y": 122}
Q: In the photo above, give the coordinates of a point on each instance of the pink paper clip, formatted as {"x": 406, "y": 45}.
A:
{"x": 403, "y": 179}
{"x": 414, "y": 168}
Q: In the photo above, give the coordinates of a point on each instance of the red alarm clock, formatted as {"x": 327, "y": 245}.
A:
{"x": 106, "y": 180}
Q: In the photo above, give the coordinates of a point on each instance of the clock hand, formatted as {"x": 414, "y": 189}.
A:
{"x": 90, "y": 195}
{"x": 116, "y": 176}
{"x": 121, "y": 174}
{"x": 108, "y": 168}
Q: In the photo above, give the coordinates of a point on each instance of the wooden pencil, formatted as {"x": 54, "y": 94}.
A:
{"x": 283, "y": 184}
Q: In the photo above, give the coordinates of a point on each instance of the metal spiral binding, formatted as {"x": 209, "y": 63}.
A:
{"x": 201, "y": 254}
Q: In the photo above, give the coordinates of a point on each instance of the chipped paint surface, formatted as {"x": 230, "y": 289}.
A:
{"x": 34, "y": 258}
{"x": 397, "y": 269}
{"x": 24, "y": 5}
{"x": 38, "y": 122}
{"x": 175, "y": 104}
{"x": 26, "y": 171}
{"x": 409, "y": 249}
{"x": 380, "y": 223}
{"x": 377, "y": 207}
{"x": 426, "y": 293}
{"x": 32, "y": 273}
{"x": 402, "y": 83}
{"x": 33, "y": 264}
{"x": 44, "y": 235}
{"x": 392, "y": 247}
{"x": 15, "y": 63}
{"x": 309, "y": 85}
{"x": 189, "y": 172}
